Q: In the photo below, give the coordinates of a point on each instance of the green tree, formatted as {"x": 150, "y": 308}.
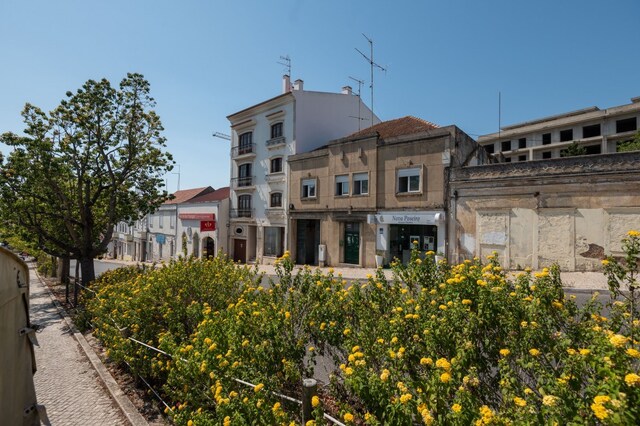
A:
{"x": 95, "y": 160}
{"x": 573, "y": 150}
{"x": 630, "y": 145}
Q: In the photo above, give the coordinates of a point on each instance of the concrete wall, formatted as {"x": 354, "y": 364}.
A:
{"x": 570, "y": 211}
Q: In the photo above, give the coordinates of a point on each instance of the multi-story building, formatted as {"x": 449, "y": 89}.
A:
{"x": 598, "y": 131}
{"x": 202, "y": 224}
{"x": 263, "y": 136}
{"x": 379, "y": 192}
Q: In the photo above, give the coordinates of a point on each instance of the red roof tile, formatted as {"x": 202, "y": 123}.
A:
{"x": 399, "y": 127}
{"x": 188, "y": 194}
{"x": 217, "y": 195}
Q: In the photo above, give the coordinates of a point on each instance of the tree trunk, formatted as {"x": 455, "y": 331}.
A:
{"x": 54, "y": 266}
{"x": 87, "y": 271}
{"x": 65, "y": 269}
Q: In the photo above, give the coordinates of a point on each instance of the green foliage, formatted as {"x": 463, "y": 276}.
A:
{"x": 630, "y": 145}
{"x": 92, "y": 162}
{"x": 445, "y": 344}
{"x": 573, "y": 150}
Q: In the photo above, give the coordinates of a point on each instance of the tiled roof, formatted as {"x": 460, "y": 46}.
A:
{"x": 217, "y": 195}
{"x": 399, "y": 127}
{"x": 188, "y": 194}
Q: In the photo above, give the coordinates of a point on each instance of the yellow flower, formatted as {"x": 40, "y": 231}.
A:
{"x": 346, "y": 331}
{"x": 384, "y": 375}
{"x": 348, "y": 417}
{"x": 618, "y": 340}
{"x": 633, "y": 353}
{"x": 190, "y": 423}
{"x": 427, "y": 419}
{"x": 405, "y": 398}
{"x": 466, "y": 301}
{"x": 276, "y": 407}
{"x": 445, "y": 377}
{"x": 585, "y": 352}
{"x": 258, "y": 387}
{"x": 456, "y": 408}
{"x": 443, "y": 363}
{"x": 227, "y": 421}
{"x": 632, "y": 379}
{"x": 287, "y": 315}
{"x": 315, "y": 401}
{"x": 505, "y": 352}
{"x": 534, "y": 352}
{"x": 519, "y": 402}
{"x": 633, "y": 233}
{"x": 550, "y": 400}
{"x": 310, "y": 423}
{"x": 605, "y": 262}
{"x": 426, "y": 361}
{"x": 600, "y": 411}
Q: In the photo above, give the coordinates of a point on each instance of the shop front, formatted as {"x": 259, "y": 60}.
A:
{"x": 398, "y": 233}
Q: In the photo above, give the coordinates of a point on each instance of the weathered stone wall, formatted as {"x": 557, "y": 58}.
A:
{"x": 570, "y": 211}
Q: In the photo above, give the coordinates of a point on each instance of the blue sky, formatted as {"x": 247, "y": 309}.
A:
{"x": 446, "y": 60}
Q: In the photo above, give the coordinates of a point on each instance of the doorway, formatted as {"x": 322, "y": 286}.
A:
{"x": 352, "y": 242}
{"x": 240, "y": 251}
{"x": 208, "y": 248}
{"x": 307, "y": 240}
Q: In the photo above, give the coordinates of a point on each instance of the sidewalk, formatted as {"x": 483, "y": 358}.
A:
{"x": 580, "y": 281}
{"x": 66, "y": 384}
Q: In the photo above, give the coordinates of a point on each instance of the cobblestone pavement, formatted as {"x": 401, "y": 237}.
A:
{"x": 66, "y": 384}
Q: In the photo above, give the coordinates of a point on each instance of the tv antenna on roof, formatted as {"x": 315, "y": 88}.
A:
{"x": 359, "y": 117}
{"x": 372, "y": 64}
{"x": 286, "y": 61}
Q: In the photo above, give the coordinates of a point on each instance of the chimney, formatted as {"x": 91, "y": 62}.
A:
{"x": 297, "y": 85}
{"x": 346, "y": 90}
{"x": 286, "y": 83}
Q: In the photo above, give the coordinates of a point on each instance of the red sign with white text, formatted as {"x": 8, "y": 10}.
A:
{"x": 207, "y": 225}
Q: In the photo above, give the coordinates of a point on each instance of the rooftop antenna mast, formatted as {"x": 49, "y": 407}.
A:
{"x": 372, "y": 64}
{"x": 360, "y": 83}
{"x": 221, "y": 136}
{"x": 286, "y": 62}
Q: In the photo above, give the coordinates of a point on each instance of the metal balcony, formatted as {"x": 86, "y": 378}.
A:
{"x": 235, "y": 213}
{"x": 243, "y": 150}
{"x": 242, "y": 182}
{"x": 276, "y": 142}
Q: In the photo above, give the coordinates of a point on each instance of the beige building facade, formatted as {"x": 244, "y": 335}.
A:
{"x": 571, "y": 211}
{"x": 371, "y": 197}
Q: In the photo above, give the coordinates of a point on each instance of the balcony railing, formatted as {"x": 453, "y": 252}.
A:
{"x": 242, "y": 182}
{"x": 245, "y": 149}
{"x": 235, "y": 213}
{"x": 274, "y": 142}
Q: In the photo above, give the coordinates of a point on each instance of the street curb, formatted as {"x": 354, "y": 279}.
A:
{"x": 117, "y": 395}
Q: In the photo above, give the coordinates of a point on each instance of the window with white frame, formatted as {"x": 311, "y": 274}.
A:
{"x": 409, "y": 180}
{"x": 360, "y": 183}
{"x": 342, "y": 185}
{"x": 308, "y": 188}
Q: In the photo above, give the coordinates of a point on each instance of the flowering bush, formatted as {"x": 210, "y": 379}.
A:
{"x": 439, "y": 344}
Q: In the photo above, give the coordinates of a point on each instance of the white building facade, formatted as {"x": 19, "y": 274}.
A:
{"x": 262, "y": 137}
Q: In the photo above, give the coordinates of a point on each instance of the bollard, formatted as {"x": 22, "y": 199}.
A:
{"x": 309, "y": 390}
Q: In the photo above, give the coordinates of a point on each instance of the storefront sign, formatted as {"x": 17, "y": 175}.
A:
{"x": 207, "y": 225}
{"x": 160, "y": 238}
{"x": 410, "y": 218}
{"x": 197, "y": 216}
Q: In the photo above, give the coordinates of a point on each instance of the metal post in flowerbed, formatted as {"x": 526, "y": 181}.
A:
{"x": 452, "y": 344}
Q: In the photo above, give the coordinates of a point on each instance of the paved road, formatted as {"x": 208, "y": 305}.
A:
{"x": 66, "y": 383}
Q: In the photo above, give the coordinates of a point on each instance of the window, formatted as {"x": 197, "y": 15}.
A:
{"x": 308, "y": 188}
{"x": 591, "y": 131}
{"x": 244, "y": 174}
{"x": 626, "y": 125}
{"x": 507, "y": 160}
{"x": 244, "y": 206}
{"x": 566, "y": 135}
{"x": 342, "y": 185}
{"x": 276, "y": 165}
{"x": 360, "y": 183}
{"x": 546, "y": 139}
{"x": 160, "y": 220}
{"x": 593, "y": 149}
{"x": 276, "y": 199}
{"x": 522, "y": 158}
{"x": 273, "y": 240}
{"x": 151, "y": 221}
{"x": 522, "y": 143}
{"x": 489, "y": 148}
{"x": 276, "y": 130}
{"x": 546, "y": 155}
{"x": 245, "y": 145}
{"x": 172, "y": 221}
{"x": 409, "y": 180}
{"x": 506, "y": 146}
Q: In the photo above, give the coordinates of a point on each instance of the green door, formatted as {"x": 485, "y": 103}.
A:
{"x": 352, "y": 242}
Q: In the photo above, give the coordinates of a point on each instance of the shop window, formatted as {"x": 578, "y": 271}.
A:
{"x": 360, "y": 183}
{"x": 409, "y": 180}
{"x": 273, "y": 240}
{"x": 308, "y": 188}
{"x": 276, "y": 199}
{"x": 276, "y": 130}
{"x": 276, "y": 165}
{"x": 566, "y": 135}
{"x": 626, "y": 125}
{"x": 522, "y": 143}
{"x": 591, "y": 131}
{"x": 506, "y": 146}
{"x": 342, "y": 185}
{"x": 546, "y": 139}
